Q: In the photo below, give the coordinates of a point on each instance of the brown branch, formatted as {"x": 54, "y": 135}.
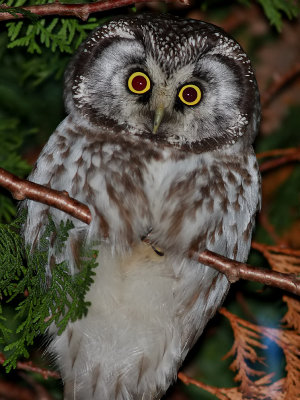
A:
{"x": 41, "y": 393}
{"x": 277, "y": 152}
{"x": 22, "y": 189}
{"x": 268, "y": 227}
{"x": 288, "y": 158}
{"x": 11, "y": 391}
{"x": 234, "y": 270}
{"x": 263, "y": 248}
{"x": 187, "y": 381}
{"x": 29, "y": 366}
{"x": 279, "y": 83}
{"x": 81, "y": 11}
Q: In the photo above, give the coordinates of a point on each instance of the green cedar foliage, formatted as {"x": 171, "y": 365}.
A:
{"x": 275, "y": 9}
{"x": 11, "y": 160}
{"x": 63, "y": 34}
{"x": 60, "y": 34}
{"x": 66, "y": 34}
{"x": 38, "y": 299}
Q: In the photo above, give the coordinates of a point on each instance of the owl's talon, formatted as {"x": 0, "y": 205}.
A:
{"x": 158, "y": 251}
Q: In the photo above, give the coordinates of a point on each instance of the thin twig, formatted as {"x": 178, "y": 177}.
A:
{"x": 276, "y": 249}
{"x": 81, "y": 11}
{"x": 22, "y": 189}
{"x": 286, "y": 159}
{"x": 12, "y": 391}
{"x": 235, "y": 270}
{"x": 286, "y": 156}
{"x": 269, "y": 228}
{"x": 186, "y": 380}
{"x": 279, "y": 83}
{"x": 29, "y": 366}
{"x": 277, "y": 152}
{"x": 41, "y": 393}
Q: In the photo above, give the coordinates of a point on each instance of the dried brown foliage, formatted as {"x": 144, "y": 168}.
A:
{"x": 281, "y": 259}
{"x": 254, "y": 382}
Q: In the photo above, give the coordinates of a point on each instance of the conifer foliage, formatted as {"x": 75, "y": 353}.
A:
{"x": 40, "y": 301}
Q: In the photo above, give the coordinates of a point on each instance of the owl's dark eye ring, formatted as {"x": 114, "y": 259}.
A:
{"x": 139, "y": 83}
{"x": 190, "y": 94}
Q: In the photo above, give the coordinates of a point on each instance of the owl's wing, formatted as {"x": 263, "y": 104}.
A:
{"x": 208, "y": 201}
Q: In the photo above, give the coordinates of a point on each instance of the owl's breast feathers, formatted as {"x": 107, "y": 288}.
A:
{"x": 134, "y": 187}
{"x": 146, "y": 309}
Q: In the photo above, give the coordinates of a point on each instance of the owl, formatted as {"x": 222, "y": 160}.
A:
{"x": 162, "y": 113}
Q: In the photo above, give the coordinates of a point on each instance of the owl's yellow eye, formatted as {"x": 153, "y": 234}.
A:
{"x": 190, "y": 94}
{"x": 139, "y": 83}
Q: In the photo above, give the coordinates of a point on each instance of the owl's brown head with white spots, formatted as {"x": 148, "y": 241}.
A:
{"x": 175, "y": 81}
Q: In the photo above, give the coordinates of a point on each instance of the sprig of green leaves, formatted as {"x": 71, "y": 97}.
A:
{"x": 39, "y": 300}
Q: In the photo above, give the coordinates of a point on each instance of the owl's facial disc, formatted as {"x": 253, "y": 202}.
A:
{"x": 181, "y": 83}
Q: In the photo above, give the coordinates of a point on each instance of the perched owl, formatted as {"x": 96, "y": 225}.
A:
{"x": 162, "y": 112}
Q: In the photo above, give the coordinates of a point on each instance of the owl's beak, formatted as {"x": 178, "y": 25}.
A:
{"x": 158, "y": 116}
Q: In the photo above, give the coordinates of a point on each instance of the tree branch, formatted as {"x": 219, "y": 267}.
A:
{"x": 12, "y": 391}
{"x": 234, "y": 270}
{"x": 268, "y": 227}
{"x": 22, "y": 189}
{"x": 187, "y": 381}
{"x": 81, "y": 11}
{"x": 264, "y": 248}
{"x": 285, "y": 159}
{"x": 277, "y": 152}
{"x": 279, "y": 83}
{"x": 29, "y": 366}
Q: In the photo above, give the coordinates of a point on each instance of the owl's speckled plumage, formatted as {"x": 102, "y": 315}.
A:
{"x": 194, "y": 184}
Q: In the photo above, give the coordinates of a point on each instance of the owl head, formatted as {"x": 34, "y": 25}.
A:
{"x": 180, "y": 82}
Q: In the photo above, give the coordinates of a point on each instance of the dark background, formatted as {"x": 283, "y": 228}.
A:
{"x": 31, "y": 106}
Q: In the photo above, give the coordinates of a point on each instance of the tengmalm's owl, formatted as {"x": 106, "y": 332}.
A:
{"x": 162, "y": 113}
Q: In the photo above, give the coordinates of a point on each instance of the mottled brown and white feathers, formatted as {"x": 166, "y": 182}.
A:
{"x": 192, "y": 184}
